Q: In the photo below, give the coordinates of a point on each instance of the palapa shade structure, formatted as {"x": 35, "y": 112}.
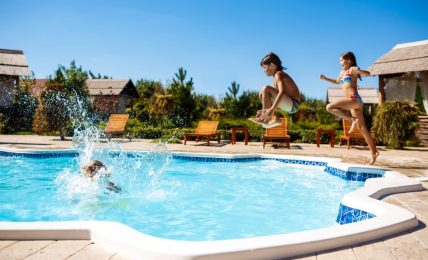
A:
{"x": 401, "y": 67}
{"x": 12, "y": 66}
{"x": 398, "y": 70}
{"x": 111, "y": 95}
{"x": 13, "y": 63}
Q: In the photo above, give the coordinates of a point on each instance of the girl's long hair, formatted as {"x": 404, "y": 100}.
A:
{"x": 349, "y": 55}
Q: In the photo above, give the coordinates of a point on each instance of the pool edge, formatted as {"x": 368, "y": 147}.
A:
{"x": 389, "y": 220}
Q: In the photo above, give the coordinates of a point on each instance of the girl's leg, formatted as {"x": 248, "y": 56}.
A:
{"x": 358, "y": 113}
{"x": 337, "y": 108}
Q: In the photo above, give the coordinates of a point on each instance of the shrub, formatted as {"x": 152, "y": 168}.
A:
{"x": 3, "y": 123}
{"x": 395, "y": 124}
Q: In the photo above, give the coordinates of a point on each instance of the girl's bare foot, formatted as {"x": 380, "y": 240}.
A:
{"x": 374, "y": 157}
{"x": 354, "y": 124}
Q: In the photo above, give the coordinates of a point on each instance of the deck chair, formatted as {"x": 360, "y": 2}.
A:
{"x": 116, "y": 125}
{"x": 354, "y": 135}
{"x": 277, "y": 133}
{"x": 206, "y": 129}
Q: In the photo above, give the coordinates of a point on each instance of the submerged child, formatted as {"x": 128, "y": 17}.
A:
{"x": 352, "y": 101}
{"x": 96, "y": 169}
{"x": 284, "y": 93}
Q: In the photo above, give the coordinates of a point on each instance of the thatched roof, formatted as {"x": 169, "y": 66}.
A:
{"x": 13, "y": 63}
{"x": 405, "y": 57}
{"x": 112, "y": 87}
{"x": 369, "y": 95}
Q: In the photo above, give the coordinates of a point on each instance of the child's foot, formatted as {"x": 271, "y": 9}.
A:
{"x": 259, "y": 121}
{"x": 260, "y": 113}
{"x": 354, "y": 124}
{"x": 274, "y": 122}
{"x": 374, "y": 157}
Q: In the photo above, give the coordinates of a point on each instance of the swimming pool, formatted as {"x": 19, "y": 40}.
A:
{"x": 239, "y": 206}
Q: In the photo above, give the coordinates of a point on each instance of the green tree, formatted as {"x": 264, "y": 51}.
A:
{"x": 21, "y": 113}
{"x": 147, "y": 89}
{"x": 184, "y": 98}
{"x": 203, "y": 105}
{"x": 65, "y": 97}
{"x": 248, "y": 104}
{"x": 98, "y": 76}
{"x": 230, "y": 101}
{"x": 240, "y": 106}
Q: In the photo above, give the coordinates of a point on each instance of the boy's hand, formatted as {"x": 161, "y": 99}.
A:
{"x": 322, "y": 76}
{"x": 266, "y": 114}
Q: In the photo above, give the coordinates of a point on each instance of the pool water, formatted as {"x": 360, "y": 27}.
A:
{"x": 175, "y": 198}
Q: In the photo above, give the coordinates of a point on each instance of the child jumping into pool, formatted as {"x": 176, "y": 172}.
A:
{"x": 284, "y": 93}
{"x": 96, "y": 169}
{"x": 352, "y": 101}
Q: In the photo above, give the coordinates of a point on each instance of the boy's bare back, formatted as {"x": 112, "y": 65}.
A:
{"x": 291, "y": 88}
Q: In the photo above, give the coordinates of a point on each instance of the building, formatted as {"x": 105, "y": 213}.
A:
{"x": 110, "y": 96}
{"x": 399, "y": 70}
{"x": 12, "y": 66}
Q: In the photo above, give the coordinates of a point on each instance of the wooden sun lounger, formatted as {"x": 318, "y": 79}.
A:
{"x": 206, "y": 129}
{"x": 354, "y": 135}
{"x": 277, "y": 133}
{"x": 116, "y": 125}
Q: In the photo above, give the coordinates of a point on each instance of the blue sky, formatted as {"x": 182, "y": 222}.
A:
{"x": 217, "y": 42}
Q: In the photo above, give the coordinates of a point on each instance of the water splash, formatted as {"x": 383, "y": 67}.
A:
{"x": 134, "y": 173}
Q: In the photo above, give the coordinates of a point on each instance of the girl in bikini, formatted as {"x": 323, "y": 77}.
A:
{"x": 284, "y": 94}
{"x": 352, "y": 101}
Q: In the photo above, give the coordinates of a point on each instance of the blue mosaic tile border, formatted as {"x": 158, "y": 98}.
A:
{"x": 233, "y": 160}
{"x": 352, "y": 176}
{"x": 346, "y": 175}
{"x": 38, "y": 155}
{"x": 348, "y": 215}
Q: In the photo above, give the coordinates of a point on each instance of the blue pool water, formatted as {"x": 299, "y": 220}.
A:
{"x": 175, "y": 198}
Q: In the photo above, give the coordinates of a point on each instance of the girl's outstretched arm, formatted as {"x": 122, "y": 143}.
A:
{"x": 334, "y": 81}
{"x": 357, "y": 70}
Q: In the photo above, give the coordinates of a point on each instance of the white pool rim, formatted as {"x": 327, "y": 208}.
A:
{"x": 390, "y": 219}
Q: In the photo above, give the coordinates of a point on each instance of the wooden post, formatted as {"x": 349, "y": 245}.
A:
{"x": 382, "y": 96}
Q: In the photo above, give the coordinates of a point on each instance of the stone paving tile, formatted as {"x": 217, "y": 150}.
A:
{"x": 421, "y": 234}
{"x": 343, "y": 254}
{"x": 373, "y": 251}
{"x": 305, "y": 257}
{"x": 6, "y": 243}
{"x": 23, "y": 249}
{"x": 418, "y": 208}
{"x": 92, "y": 252}
{"x": 59, "y": 250}
{"x": 405, "y": 246}
{"x": 120, "y": 257}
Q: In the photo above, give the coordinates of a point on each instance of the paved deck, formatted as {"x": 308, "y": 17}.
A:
{"x": 413, "y": 162}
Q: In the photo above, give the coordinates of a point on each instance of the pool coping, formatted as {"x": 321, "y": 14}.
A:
{"x": 390, "y": 219}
